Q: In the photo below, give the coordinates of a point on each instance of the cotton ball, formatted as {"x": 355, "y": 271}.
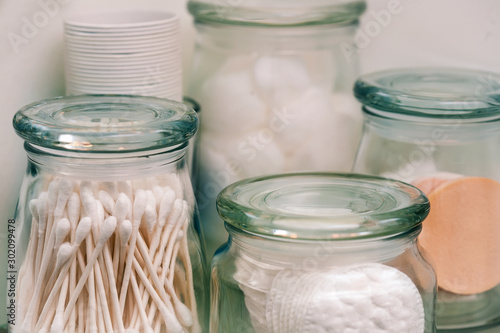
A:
{"x": 230, "y": 101}
{"x": 309, "y": 115}
{"x": 256, "y": 153}
{"x": 214, "y": 162}
{"x": 280, "y": 78}
{"x": 333, "y": 137}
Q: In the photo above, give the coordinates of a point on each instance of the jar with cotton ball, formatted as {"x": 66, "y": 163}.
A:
{"x": 106, "y": 234}
{"x": 322, "y": 252}
{"x": 274, "y": 80}
{"x": 438, "y": 128}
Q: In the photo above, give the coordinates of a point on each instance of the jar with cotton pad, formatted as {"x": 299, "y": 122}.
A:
{"x": 438, "y": 128}
{"x": 106, "y": 236}
{"x": 322, "y": 252}
{"x": 274, "y": 81}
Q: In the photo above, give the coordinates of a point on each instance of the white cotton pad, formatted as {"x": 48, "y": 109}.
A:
{"x": 230, "y": 101}
{"x": 255, "y": 279}
{"x": 371, "y": 298}
{"x": 281, "y": 78}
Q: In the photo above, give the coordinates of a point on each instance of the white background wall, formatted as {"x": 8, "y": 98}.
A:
{"x": 462, "y": 33}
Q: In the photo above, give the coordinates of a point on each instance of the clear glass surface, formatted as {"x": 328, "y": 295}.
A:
{"x": 107, "y": 239}
{"x": 275, "y": 93}
{"x": 438, "y": 129}
{"x": 305, "y": 252}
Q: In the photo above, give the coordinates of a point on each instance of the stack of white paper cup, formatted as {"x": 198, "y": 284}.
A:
{"x": 124, "y": 52}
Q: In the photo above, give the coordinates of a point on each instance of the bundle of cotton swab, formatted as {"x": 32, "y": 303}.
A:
{"x": 108, "y": 257}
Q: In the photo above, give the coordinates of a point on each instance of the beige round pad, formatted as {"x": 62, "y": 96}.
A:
{"x": 427, "y": 184}
{"x": 461, "y": 235}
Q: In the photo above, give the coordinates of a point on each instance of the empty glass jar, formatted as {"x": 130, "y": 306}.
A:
{"x": 439, "y": 129}
{"x": 322, "y": 253}
{"x": 274, "y": 81}
{"x": 106, "y": 238}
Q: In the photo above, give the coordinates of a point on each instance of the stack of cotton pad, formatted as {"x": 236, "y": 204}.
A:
{"x": 125, "y": 52}
{"x": 360, "y": 298}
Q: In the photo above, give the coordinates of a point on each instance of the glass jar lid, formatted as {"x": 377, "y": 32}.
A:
{"x": 322, "y": 206}
{"x": 106, "y": 123}
{"x": 430, "y": 93}
{"x": 276, "y": 12}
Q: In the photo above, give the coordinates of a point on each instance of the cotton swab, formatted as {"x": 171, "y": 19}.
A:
{"x": 150, "y": 211}
{"x": 107, "y": 201}
{"x": 73, "y": 209}
{"x": 63, "y": 255}
{"x": 42, "y": 208}
{"x": 35, "y": 300}
{"x": 107, "y": 230}
{"x": 183, "y": 313}
{"x": 139, "y": 208}
{"x": 172, "y": 324}
{"x": 96, "y": 286}
{"x": 145, "y": 323}
{"x": 26, "y": 273}
{"x": 65, "y": 190}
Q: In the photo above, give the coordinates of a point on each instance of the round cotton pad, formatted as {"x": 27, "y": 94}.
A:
{"x": 363, "y": 298}
{"x": 461, "y": 235}
{"x": 429, "y": 183}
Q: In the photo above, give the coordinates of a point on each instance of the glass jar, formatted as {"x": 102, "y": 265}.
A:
{"x": 274, "y": 80}
{"x": 439, "y": 130}
{"x": 106, "y": 238}
{"x": 322, "y": 253}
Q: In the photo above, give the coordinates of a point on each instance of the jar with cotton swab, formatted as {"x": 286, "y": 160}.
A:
{"x": 106, "y": 234}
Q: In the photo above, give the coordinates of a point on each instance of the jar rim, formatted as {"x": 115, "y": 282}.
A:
{"x": 277, "y": 13}
{"x": 322, "y": 206}
{"x": 106, "y": 123}
{"x": 430, "y": 94}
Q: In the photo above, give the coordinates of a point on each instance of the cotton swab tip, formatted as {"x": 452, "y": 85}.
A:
{"x": 63, "y": 254}
{"x": 83, "y": 230}
{"x": 184, "y": 314}
{"x": 107, "y": 229}
{"x": 62, "y": 230}
{"x": 125, "y": 231}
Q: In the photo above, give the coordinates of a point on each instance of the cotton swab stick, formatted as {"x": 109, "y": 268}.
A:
{"x": 52, "y": 193}
{"x": 35, "y": 300}
{"x": 102, "y": 299}
{"x": 183, "y": 313}
{"x": 108, "y": 263}
{"x": 73, "y": 209}
{"x": 120, "y": 211}
{"x": 165, "y": 207}
{"x": 107, "y": 230}
{"x": 171, "y": 221}
{"x": 176, "y": 215}
{"x": 63, "y": 255}
{"x": 145, "y": 323}
{"x": 171, "y": 322}
{"x": 27, "y": 271}
{"x": 139, "y": 208}
{"x": 100, "y": 316}
{"x": 125, "y": 233}
{"x": 57, "y": 326}
{"x": 186, "y": 260}
{"x": 42, "y": 208}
